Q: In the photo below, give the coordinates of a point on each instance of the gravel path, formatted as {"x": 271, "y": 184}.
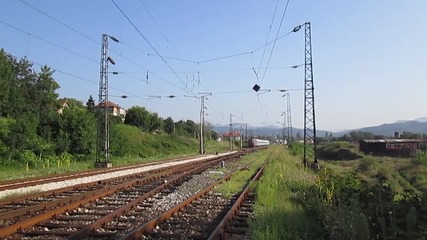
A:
{"x": 100, "y": 177}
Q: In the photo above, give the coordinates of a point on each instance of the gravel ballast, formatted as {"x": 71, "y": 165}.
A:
{"x": 100, "y": 177}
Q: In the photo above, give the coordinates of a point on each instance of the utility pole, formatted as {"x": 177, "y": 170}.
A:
{"x": 202, "y": 123}
{"x": 103, "y": 128}
{"x": 231, "y": 132}
{"x": 289, "y": 119}
{"x": 310, "y": 150}
{"x": 246, "y": 132}
{"x": 283, "y": 126}
{"x": 241, "y": 137}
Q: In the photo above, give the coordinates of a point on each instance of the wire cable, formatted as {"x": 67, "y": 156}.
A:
{"x": 146, "y": 40}
{"x": 84, "y": 79}
{"x": 268, "y": 38}
{"x": 63, "y": 24}
{"x": 275, "y": 40}
{"x": 49, "y": 42}
{"x": 154, "y": 20}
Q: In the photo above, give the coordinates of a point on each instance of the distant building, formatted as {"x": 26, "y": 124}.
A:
{"x": 235, "y": 135}
{"x": 392, "y": 147}
{"x": 63, "y": 103}
{"x": 113, "y": 108}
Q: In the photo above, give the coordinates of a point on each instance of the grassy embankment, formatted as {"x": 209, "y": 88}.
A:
{"x": 391, "y": 192}
{"x": 145, "y": 148}
{"x": 355, "y": 199}
{"x": 277, "y": 215}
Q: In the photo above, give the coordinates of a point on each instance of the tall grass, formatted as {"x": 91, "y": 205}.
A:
{"x": 151, "y": 147}
{"x": 240, "y": 179}
{"x": 277, "y": 215}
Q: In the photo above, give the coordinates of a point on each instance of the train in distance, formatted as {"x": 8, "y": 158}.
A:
{"x": 253, "y": 142}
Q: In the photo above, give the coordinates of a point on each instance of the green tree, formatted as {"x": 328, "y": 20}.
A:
{"x": 90, "y": 104}
{"x": 214, "y": 135}
{"x": 155, "y": 122}
{"x": 77, "y": 133}
{"x": 169, "y": 125}
{"x": 138, "y": 117}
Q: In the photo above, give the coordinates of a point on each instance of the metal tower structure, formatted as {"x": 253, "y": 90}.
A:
{"x": 310, "y": 149}
{"x": 231, "y": 134}
{"x": 103, "y": 128}
{"x": 202, "y": 125}
{"x": 289, "y": 118}
{"x": 284, "y": 126}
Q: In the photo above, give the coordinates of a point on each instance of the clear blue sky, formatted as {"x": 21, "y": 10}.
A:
{"x": 369, "y": 57}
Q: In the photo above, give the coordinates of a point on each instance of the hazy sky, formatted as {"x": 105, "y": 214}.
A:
{"x": 369, "y": 57}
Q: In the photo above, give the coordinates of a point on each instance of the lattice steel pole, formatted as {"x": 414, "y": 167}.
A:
{"x": 103, "y": 128}
{"x": 289, "y": 118}
{"x": 309, "y": 113}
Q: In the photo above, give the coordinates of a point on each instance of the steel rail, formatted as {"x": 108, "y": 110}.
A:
{"x": 19, "y": 183}
{"x": 138, "y": 232}
{"x": 19, "y": 226}
{"x": 86, "y": 231}
{"x": 218, "y": 233}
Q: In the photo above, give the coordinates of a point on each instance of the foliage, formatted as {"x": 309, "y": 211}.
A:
{"x": 421, "y": 158}
{"x": 338, "y": 151}
{"x": 138, "y": 117}
{"x": 168, "y": 125}
{"x": 296, "y": 149}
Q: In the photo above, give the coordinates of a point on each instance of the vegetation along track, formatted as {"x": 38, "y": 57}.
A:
{"x": 19, "y": 183}
{"x": 147, "y": 186}
{"x": 203, "y": 215}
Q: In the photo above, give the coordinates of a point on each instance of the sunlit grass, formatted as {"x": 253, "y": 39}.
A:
{"x": 402, "y": 174}
{"x": 18, "y": 171}
{"x": 240, "y": 179}
{"x": 277, "y": 216}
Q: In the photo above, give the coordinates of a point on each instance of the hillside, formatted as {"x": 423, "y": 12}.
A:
{"x": 388, "y": 129}
{"x": 266, "y": 130}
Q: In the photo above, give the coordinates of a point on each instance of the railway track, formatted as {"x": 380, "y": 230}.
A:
{"x": 57, "y": 216}
{"x": 204, "y": 215}
{"x": 19, "y": 183}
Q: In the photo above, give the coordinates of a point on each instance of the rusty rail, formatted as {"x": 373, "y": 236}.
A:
{"x": 19, "y": 183}
{"x": 150, "y": 225}
{"x": 86, "y": 231}
{"x": 7, "y": 231}
{"x": 219, "y": 230}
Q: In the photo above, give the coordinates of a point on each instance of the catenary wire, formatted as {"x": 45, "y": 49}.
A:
{"x": 268, "y": 36}
{"x": 146, "y": 40}
{"x": 275, "y": 40}
{"x": 47, "y": 41}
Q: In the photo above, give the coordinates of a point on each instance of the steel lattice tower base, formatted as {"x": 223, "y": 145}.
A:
{"x": 289, "y": 118}
{"x": 310, "y": 149}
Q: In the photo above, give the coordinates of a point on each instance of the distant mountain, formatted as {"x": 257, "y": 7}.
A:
{"x": 390, "y": 128}
{"x": 418, "y": 125}
{"x": 266, "y": 130}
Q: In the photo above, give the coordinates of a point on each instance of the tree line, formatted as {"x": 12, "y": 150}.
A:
{"x": 35, "y": 125}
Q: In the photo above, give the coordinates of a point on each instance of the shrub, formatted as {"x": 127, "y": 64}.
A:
{"x": 420, "y": 158}
{"x": 367, "y": 163}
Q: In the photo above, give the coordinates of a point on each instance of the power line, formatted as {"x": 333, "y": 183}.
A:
{"x": 268, "y": 36}
{"x": 223, "y": 57}
{"x": 84, "y": 79}
{"x": 148, "y": 42}
{"x": 275, "y": 40}
{"x": 154, "y": 20}
{"x": 60, "y": 22}
{"x": 91, "y": 39}
{"x": 47, "y": 41}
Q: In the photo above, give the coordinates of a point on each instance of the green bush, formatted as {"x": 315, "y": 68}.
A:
{"x": 420, "y": 158}
{"x": 367, "y": 163}
{"x": 338, "y": 151}
{"x": 296, "y": 149}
